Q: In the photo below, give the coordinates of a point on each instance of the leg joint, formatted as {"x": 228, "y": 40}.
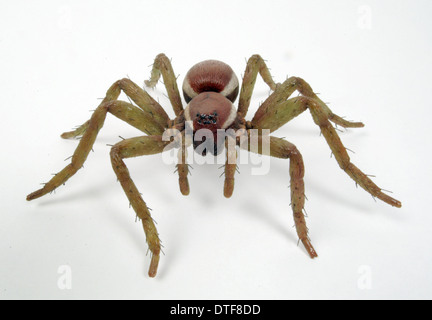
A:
{"x": 109, "y": 104}
{"x": 255, "y": 58}
{"x": 115, "y": 153}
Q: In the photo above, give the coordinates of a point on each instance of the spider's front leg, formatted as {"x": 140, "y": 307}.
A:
{"x": 230, "y": 166}
{"x": 162, "y": 66}
{"x": 255, "y": 65}
{"x": 277, "y": 110}
{"x": 183, "y": 166}
{"x": 135, "y": 147}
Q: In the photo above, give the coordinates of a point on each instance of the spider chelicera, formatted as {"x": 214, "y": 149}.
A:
{"x": 210, "y": 88}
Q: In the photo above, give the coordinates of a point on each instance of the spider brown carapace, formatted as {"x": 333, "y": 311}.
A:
{"x": 210, "y": 89}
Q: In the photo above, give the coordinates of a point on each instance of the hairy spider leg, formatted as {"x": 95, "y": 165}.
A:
{"x": 162, "y": 65}
{"x": 183, "y": 167}
{"x": 230, "y": 166}
{"x": 151, "y": 119}
{"x": 254, "y": 66}
{"x": 134, "y": 147}
{"x": 142, "y": 99}
{"x": 276, "y": 111}
{"x": 280, "y": 148}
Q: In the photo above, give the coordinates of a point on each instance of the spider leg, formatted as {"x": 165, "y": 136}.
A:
{"x": 135, "y": 147}
{"x": 162, "y": 65}
{"x": 155, "y": 113}
{"x": 139, "y": 118}
{"x": 276, "y": 111}
{"x": 230, "y": 166}
{"x": 274, "y": 104}
{"x": 254, "y": 65}
{"x": 283, "y": 149}
{"x": 183, "y": 167}
{"x": 276, "y": 115}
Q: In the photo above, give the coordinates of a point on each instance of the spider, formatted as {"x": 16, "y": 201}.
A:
{"x": 210, "y": 89}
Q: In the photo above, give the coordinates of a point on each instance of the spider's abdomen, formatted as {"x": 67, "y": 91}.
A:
{"x": 211, "y": 76}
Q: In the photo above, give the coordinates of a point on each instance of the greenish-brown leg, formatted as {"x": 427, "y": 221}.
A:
{"x": 339, "y": 151}
{"x": 135, "y": 147}
{"x": 154, "y": 112}
{"x": 283, "y": 149}
{"x": 276, "y": 111}
{"x": 230, "y": 166}
{"x": 277, "y": 105}
{"x": 149, "y": 117}
{"x": 275, "y": 116}
{"x": 162, "y": 66}
{"x": 254, "y": 65}
{"x": 123, "y": 110}
{"x": 183, "y": 167}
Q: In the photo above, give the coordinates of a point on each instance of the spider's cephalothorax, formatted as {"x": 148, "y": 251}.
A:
{"x": 210, "y": 88}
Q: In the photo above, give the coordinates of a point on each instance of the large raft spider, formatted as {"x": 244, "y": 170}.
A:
{"x": 210, "y": 88}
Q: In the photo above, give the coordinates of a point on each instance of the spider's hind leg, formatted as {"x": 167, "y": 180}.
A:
{"x": 277, "y": 110}
{"x": 341, "y": 155}
{"x": 149, "y": 118}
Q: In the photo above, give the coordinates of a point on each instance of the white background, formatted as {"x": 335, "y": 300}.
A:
{"x": 369, "y": 59}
